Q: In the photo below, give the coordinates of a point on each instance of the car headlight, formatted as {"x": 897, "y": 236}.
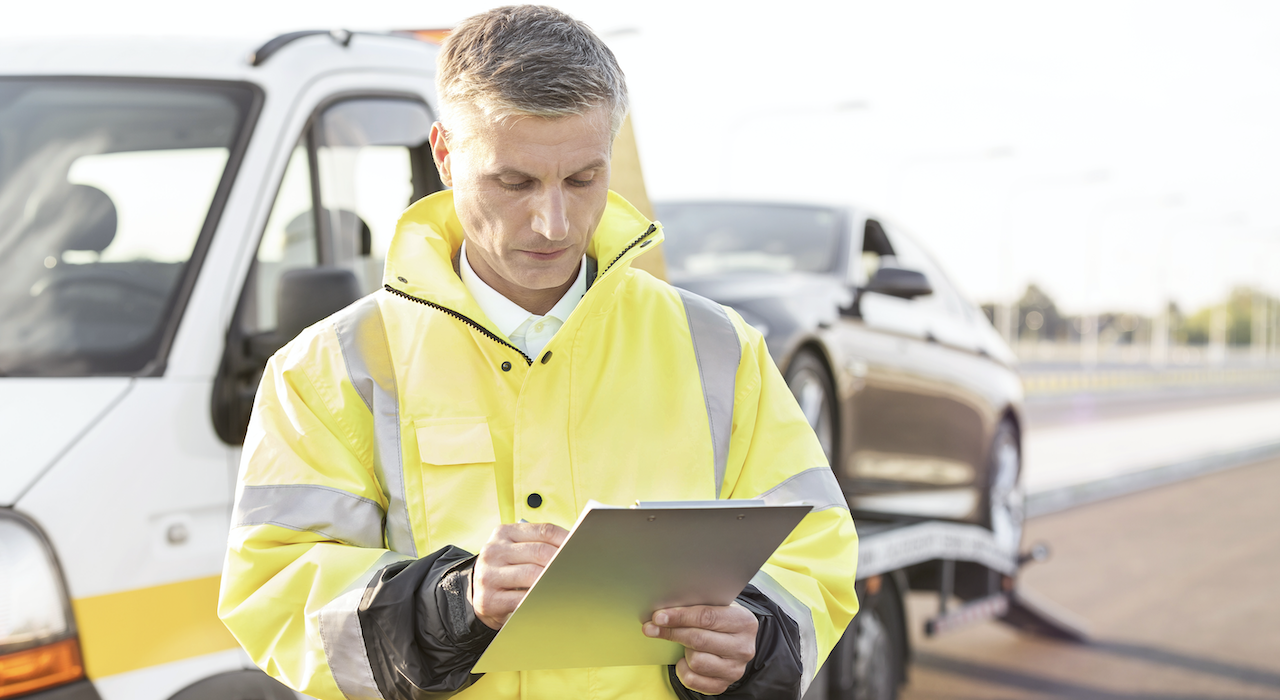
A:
{"x": 38, "y": 646}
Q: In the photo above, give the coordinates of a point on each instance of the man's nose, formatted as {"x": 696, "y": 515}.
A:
{"x": 550, "y": 219}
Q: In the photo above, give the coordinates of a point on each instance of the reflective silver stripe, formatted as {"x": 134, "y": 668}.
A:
{"x": 715, "y": 344}
{"x": 331, "y": 512}
{"x": 363, "y": 340}
{"x": 343, "y": 639}
{"x": 816, "y": 487}
{"x": 803, "y": 617}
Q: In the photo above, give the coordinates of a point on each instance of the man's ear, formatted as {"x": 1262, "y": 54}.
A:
{"x": 440, "y": 153}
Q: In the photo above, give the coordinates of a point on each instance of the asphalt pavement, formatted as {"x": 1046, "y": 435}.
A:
{"x": 1178, "y": 587}
{"x": 1049, "y": 411}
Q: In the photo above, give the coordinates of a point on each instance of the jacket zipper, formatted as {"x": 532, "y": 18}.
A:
{"x": 632, "y": 244}
{"x": 483, "y": 331}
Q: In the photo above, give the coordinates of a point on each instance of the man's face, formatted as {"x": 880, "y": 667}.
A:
{"x": 530, "y": 192}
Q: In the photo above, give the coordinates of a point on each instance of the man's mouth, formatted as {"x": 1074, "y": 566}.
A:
{"x": 545, "y": 254}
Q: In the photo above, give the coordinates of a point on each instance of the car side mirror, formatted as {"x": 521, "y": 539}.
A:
{"x": 892, "y": 281}
{"x": 897, "y": 282}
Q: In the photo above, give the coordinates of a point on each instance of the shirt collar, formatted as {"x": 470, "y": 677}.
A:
{"x": 507, "y": 314}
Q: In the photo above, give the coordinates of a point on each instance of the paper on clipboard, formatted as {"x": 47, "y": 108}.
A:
{"x": 619, "y": 565}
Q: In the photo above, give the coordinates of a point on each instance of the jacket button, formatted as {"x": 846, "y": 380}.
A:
{"x": 534, "y": 500}
{"x": 506, "y": 366}
{"x": 546, "y": 358}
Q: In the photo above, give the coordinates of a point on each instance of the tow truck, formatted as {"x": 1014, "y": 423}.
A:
{"x": 168, "y": 209}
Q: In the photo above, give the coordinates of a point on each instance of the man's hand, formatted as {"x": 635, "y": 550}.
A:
{"x": 508, "y": 565}
{"x": 719, "y": 642}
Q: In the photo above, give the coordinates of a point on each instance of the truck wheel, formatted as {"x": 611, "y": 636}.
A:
{"x": 869, "y": 661}
{"x": 810, "y": 382}
{"x": 249, "y": 684}
{"x": 1004, "y": 493}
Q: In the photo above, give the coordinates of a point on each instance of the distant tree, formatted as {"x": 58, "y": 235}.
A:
{"x": 1197, "y": 328}
{"x": 1047, "y": 323}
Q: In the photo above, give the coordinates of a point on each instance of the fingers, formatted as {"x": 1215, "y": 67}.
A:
{"x": 730, "y": 618}
{"x": 532, "y": 532}
{"x": 713, "y": 683}
{"x": 740, "y": 646}
{"x": 719, "y": 642}
{"x": 508, "y": 565}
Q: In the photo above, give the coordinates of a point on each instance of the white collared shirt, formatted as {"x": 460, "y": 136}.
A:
{"x": 527, "y": 331}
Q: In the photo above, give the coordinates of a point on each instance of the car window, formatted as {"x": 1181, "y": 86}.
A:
{"x": 945, "y": 311}
{"x": 712, "y": 238}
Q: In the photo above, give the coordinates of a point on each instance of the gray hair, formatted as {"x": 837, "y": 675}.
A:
{"x": 528, "y": 60}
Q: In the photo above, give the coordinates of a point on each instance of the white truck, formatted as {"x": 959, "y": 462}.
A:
{"x": 171, "y": 212}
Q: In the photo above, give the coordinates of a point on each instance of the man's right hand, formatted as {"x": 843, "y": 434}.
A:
{"x": 507, "y": 566}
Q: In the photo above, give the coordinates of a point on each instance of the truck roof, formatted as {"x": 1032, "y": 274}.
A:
{"x": 214, "y": 58}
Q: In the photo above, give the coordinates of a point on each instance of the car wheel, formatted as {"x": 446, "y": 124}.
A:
{"x": 1004, "y": 493}
{"x": 810, "y": 382}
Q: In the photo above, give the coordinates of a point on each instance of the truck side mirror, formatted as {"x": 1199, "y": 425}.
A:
{"x": 303, "y": 297}
{"x": 309, "y": 294}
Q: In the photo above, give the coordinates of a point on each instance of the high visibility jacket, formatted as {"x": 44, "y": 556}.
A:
{"x": 396, "y": 435}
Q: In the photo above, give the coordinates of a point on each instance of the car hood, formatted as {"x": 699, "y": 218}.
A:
{"x": 784, "y": 307}
{"x": 41, "y": 417}
{"x": 731, "y": 288}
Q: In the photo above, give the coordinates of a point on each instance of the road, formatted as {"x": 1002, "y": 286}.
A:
{"x": 1177, "y": 587}
{"x": 1066, "y": 409}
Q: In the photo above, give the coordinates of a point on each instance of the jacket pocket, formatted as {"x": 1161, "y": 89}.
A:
{"x": 459, "y": 487}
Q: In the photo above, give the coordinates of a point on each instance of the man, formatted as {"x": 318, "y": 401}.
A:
{"x": 412, "y": 460}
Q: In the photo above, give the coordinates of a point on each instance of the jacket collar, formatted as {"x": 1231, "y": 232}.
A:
{"x": 420, "y": 261}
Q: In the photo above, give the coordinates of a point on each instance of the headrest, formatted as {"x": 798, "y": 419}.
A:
{"x": 343, "y": 222}
{"x": 90, "y": 217}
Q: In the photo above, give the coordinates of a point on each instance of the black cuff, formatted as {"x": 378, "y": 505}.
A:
{"x": 776, "y": 671}
{"x": 454, "y": 595}
{"x": 420, "y": 632}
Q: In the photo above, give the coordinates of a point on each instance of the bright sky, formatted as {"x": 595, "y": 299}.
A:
{"x": 1115, "y": 152}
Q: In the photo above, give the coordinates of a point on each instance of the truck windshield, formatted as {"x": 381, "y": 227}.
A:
{"x": 105, "y": 189}
{"x": 715, "y": 237}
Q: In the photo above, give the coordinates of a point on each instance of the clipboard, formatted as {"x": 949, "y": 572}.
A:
{"x": 619, "y": 565}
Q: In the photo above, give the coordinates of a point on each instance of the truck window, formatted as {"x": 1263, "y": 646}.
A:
{"x": 289, "y": 242}
{"x": 374, "y": 161}
{"x": 364, "y": 160}
{"x": 105, "y": 189}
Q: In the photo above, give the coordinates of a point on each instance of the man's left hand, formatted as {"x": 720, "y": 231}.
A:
{"x": 719, "y": 642}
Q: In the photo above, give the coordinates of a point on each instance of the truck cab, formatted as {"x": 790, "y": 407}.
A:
{"x": 171, "y": 212}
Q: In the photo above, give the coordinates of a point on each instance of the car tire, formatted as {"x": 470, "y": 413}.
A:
{"x": 1004, "y": 496}
{"x": 810, "y": 382}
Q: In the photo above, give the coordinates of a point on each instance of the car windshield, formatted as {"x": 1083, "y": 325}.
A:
{"x": 710, "y": 237}
{"x": 105, "y": 188}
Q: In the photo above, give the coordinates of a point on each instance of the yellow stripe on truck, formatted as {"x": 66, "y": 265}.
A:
{"x": 134, "y": 629}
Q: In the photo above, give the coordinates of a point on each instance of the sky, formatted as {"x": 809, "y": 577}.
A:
{"x": 1118, "y": 154}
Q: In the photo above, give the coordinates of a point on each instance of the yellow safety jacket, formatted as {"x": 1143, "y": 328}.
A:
{"x": 407, "y": 423}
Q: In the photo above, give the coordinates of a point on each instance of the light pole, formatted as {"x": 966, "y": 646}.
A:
{"x": 1089, "y": 322}
{"x": 1007, "y": 312}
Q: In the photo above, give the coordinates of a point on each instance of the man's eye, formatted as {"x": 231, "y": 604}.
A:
{"x": 580, "y": 183}
{"x": 514, "y": 186}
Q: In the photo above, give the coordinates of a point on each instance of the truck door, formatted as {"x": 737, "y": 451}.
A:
{"x": 364, "y": 160}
